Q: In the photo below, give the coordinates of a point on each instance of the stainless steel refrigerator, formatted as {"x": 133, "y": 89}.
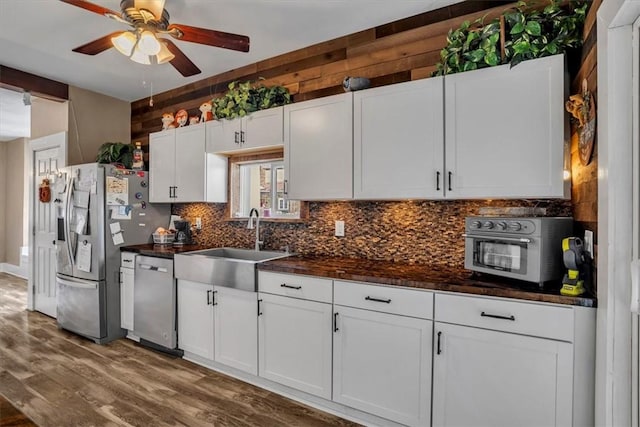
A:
{"x": 99, "y": 209}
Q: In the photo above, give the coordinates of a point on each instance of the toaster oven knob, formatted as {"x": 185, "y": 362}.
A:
{"x": 487, "y": 224}
{"x": 515, "y": 226}
{"x": 476, "y": 224}
{"x": 501, "y": 225}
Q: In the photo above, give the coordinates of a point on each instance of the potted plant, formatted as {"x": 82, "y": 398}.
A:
{"x": 528, "y": 33}
{"x": 116, "y": 153}
{"x": 247, "y": 97}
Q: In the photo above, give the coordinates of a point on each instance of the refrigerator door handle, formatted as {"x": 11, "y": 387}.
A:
{"x": 67, "y": 220}
{"x": 77, "y": 283}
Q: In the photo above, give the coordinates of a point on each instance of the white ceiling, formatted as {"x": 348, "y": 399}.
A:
{"x": 38, "y": 36}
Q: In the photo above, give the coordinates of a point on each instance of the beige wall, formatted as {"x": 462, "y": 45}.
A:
{"x": 48, "y": 117}
{"x": 95, "y": 119}
{"x": 3, "y": 199}
{"x": 14, "y": 217}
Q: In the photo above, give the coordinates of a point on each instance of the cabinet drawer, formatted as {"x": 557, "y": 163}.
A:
{"x": 294, "y": 285}
{"x": 406, "y": 302}
{"x": 509, "y": 316}
{"x": 128, "y": 259}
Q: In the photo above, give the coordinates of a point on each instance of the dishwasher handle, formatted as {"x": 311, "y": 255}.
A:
{"x": 153, "y": 268}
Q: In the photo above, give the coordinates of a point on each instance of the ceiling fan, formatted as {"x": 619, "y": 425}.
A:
{"x": 144, "y": 42}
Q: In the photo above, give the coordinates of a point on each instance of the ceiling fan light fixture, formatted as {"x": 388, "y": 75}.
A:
{"x": 140, "y": 57}
{"x": 148, "y": 43}
{"x": 125, "y": 42}
{"x": 165, "y": 54}
{"x": 154, "y": 6}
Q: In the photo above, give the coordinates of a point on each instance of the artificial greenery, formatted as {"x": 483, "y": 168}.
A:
{"x": 116, "y": 152}
{"x": 529, "y": 33}
{"x": 537, "y": 33}
{"x": 471, "y": 46}
{"x": 247, "y": 97}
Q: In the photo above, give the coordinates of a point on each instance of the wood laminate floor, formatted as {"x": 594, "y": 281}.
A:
{"x": 59, "y": 379}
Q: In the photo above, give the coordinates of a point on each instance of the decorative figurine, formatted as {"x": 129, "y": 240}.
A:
{"x": 355, "y": 83}
{"x": 194, "y": 120}
{"x": 168, "y": 121}
{"x": 206, "y": 108}
{"x": 181, "y": 118}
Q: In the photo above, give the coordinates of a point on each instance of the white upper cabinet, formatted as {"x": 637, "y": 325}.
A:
{"x": 259, "y": 130}
{"x": 505, "y": 131}
{"x": 318, "y": 140}
{"x": 181, "y": 170}
{"x": 398, "y": 141}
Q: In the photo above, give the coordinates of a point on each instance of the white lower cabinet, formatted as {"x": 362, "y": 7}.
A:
{"x": 490, "y": 378}
{"x": 218, "y": 324}
{"x": 295, "y": 343}
{"x": 235, "y": 328}
{"x": 127, "y": 274}
{"x": 382, "y": 364}
{"x": 195, "y": 318}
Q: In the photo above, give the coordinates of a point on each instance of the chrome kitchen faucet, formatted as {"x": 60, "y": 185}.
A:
{"x": 251, "y": 226}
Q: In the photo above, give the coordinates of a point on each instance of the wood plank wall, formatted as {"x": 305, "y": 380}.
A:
{"x": 584, "y": 192}
{"x": 404, "y": 50}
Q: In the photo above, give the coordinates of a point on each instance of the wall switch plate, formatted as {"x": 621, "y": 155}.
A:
{"x": 339, "y": 229}
{"x": 588, "y": 242}
{"x": 198, "y": 223}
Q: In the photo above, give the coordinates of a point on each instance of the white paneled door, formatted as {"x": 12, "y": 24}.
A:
{"x": 48, "y": 158}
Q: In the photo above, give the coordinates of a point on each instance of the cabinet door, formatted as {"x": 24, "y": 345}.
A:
{"x": 195, "y": 318}
{"x": 162, "y": 147}
{"x": 398, "y": 141}
{"x": 236, "y": 328}
{"x": 190, "y": 164}
{"x": 126, "y": 298}
{"x": 382, "y": 364}
{"x": 488, "y": 378}
{"x": 318, "y": 148}
{"x": 223, "y": 135}
{"x": 295, "y": 343}
{"x": 263, "y": 128}
{"x": 505, "y": 131}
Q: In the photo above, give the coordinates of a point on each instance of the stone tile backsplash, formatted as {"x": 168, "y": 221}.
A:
{"x": 414, "y": 232}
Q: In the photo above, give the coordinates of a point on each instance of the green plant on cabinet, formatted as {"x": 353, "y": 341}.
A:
{"x": 116, "y": 152}
{"x": 528, "y": 33}
{"x": 245, "y": 98}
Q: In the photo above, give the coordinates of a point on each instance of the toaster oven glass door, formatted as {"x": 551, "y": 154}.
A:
{"x": 500, "y": 255}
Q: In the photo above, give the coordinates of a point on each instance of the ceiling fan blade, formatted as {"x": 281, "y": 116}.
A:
{"x": 98, "y": 45}
{"x": 91, "y": 7}
{"x": 210, "y": 37}
{"x": 181, "y": 62}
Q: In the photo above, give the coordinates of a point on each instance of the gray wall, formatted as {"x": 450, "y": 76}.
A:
{"x": 3, "y": 199}
{"x": 14, "y": 218}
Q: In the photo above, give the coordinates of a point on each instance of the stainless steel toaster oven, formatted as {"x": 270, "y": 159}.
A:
{"x": 528, "y": 249}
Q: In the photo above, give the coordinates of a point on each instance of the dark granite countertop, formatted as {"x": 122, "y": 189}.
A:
{"x": 161, "y": 251}
{"x": 417, "y": 276}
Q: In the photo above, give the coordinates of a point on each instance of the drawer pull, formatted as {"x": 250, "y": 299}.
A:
{"x": 388, "y": 301}
{"x": 209, "y": 297}
{"x": 213, "y": 300}
{"x": 497, "y": 316}
{"x": 259, "y": 307}
{"x": 439, "y": 350}
{"x": 335, "y": 322}
{"x": 284, "y": 285}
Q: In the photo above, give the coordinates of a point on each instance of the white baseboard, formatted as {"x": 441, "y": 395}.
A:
{"x": 14, "y": 270}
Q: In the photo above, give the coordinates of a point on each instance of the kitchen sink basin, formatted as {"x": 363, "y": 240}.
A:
{"x": 229, "y": 267}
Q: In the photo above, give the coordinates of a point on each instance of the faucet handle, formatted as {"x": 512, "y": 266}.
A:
{"x": 286, "y": 249}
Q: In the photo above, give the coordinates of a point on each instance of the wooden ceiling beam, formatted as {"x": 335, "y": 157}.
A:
{"x": 13, "y": 79}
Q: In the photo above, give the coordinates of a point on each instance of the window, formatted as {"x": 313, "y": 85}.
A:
{"x": 260, "y": 184}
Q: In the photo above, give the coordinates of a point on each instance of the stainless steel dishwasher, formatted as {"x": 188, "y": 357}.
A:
{"x": 154, "y": 303}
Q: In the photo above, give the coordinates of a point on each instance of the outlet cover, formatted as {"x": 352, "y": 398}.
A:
{"x": 339, "y": 229}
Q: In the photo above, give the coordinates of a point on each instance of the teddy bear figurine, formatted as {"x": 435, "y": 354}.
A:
{"x": 206, "y": 108}
{"x": 168, "y": 121}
